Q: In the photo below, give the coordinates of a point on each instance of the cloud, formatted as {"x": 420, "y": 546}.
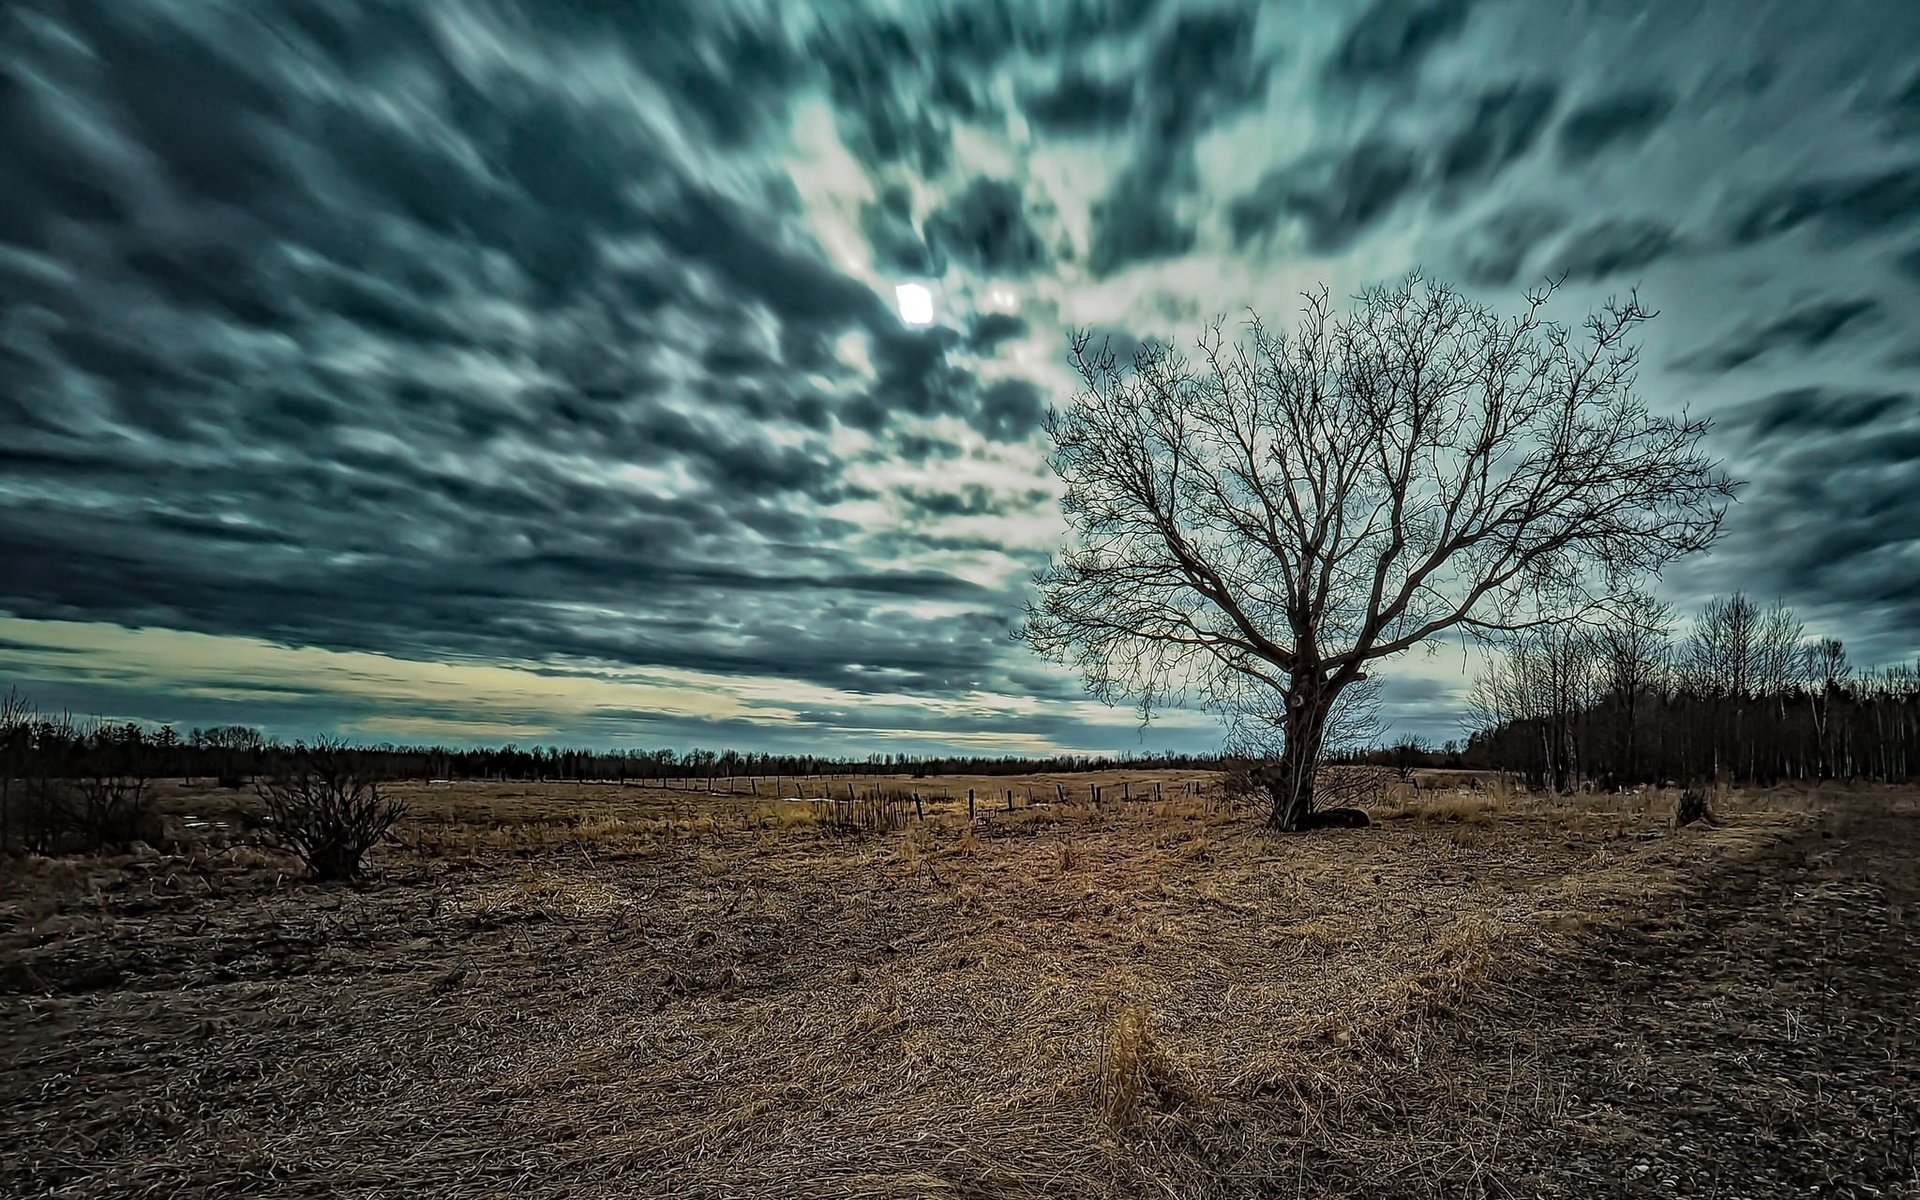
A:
{"x": 1805, "y": 329}
{"x": 1202, "y": 70}
{"x": 1802, "y": 412}
{"x": 991, "y": 330}
{"x": 1506, "y": 122}
{"x": 986, "y": 228}
{"x": 1903, "y": 108}
{"x": 1392, "y": 36}
{"x": 1614, "y": 245}
{"x": 1137, "y": 223}
{"x": 1335, "y": 195}
{"x": 1909, "y": 263}
{"x": 563, "y": 335}
{"x": 1618, "y": 118}
{"x": 1826, "y": 519}
{"x": 1494, "y": 251}
{"x": 1844, "y": 205}
{"x": 1079, "y": 103}
{"x": 1011, "y": 409}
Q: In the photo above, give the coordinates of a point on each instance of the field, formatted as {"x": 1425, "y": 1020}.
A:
{"x": 599, "y": 990}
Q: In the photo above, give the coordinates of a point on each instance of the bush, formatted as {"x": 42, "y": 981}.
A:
{"x": 73, "y": 790}
{"x": 327, "y": 808}
{"x": 1692, "y": 806}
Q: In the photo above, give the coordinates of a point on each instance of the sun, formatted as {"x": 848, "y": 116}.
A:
{"x": 916, "y": 303}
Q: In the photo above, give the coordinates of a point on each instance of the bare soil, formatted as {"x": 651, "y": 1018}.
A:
{"x": 1759, "y": 1036}
{"x": 574, "y": 990}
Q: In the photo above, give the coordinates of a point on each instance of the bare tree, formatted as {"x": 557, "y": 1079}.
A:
{"x": 1634, "y": 650}
{"x": 1547, "y": 681}
{"x": 1828, "y": 672}
{"x": 327, "y": 808}
{"x": 1278, "y": 511}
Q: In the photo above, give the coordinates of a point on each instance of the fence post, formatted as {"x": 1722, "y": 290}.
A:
{"x": 921, "y": 813}
{"x": 1010, "y": 800}
{"x": 1095, "y": 788}
{"x": 1060, "y": 789}
{"x": 969, "y": 804}
{"x": 1126, "y": 790}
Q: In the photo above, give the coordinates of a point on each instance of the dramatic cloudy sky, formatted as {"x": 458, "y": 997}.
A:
{"x": 473, "y": 370}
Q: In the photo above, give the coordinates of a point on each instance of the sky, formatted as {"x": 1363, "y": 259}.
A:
{"x": 473, "y": 371}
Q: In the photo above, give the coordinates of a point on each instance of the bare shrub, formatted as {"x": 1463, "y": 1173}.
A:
{"x": 110, "y": 811}
{"x": 1691, "y": 807}
{"x": 74, "y": 790}
{"x": 327, "y": 808}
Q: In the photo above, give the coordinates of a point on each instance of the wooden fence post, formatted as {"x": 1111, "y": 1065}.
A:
{"x": 969, "y": 804}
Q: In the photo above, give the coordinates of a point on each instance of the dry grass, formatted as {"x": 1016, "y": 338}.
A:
{"x": 600, "y": 991}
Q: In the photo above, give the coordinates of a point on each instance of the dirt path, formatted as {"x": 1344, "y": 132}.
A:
{"x": 1760, "y": 1039}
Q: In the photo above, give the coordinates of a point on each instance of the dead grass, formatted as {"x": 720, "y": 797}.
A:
{"x": 598, "y": 991}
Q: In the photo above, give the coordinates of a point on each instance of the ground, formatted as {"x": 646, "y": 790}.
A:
{"x": 597, "y": 990}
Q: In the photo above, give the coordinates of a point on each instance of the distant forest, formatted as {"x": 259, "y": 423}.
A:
{"x": 34, "y": 743}
{"x": 1746, "y": 698}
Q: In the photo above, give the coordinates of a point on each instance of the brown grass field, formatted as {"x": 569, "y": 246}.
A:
{"x": 594, "y": 990}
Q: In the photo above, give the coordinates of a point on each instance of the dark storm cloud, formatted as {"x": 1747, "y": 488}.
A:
{"x": 553, "y": 331}
{"x": 1011, "y": 410}
{"x": 1505, "y": 123}
{"x": 1619, "y": 118}
{"x": 1336, "y": 196}
{"x": 1079, "y": 102}
{"x": 1612, "y": 246}
{"x": 1903, "y": 108}
{"x": 1136, "y": 223}
{"x": 994, "y": 328}
{"x": 1200, "y": 71}
{"x": 888, "y": 225}
{"x": 1391, "y": 37}
{"x": 974, "y": 500}
{"x": 986, "y": 228}
{"x": 369, "y": 360}
{"x": 1909, "y": 264}
{"x": 1494, "y": 251}
{"x": 1847, "y": 205}
{"x": 1804, "y": 329}
{"x": 1828, "y": 516}
{"x": 882, "y": 119}
{"x": 1818, "y": 411}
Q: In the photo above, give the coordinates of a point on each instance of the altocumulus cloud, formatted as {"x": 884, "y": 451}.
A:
{"x": 558, "y": 337}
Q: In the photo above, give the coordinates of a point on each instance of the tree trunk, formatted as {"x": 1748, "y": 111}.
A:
{"x": 1290, "y": 782}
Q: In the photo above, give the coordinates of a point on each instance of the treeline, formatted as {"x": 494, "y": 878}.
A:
{"x": 64, "y": 747}
{"x": 1747, "y": 696}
